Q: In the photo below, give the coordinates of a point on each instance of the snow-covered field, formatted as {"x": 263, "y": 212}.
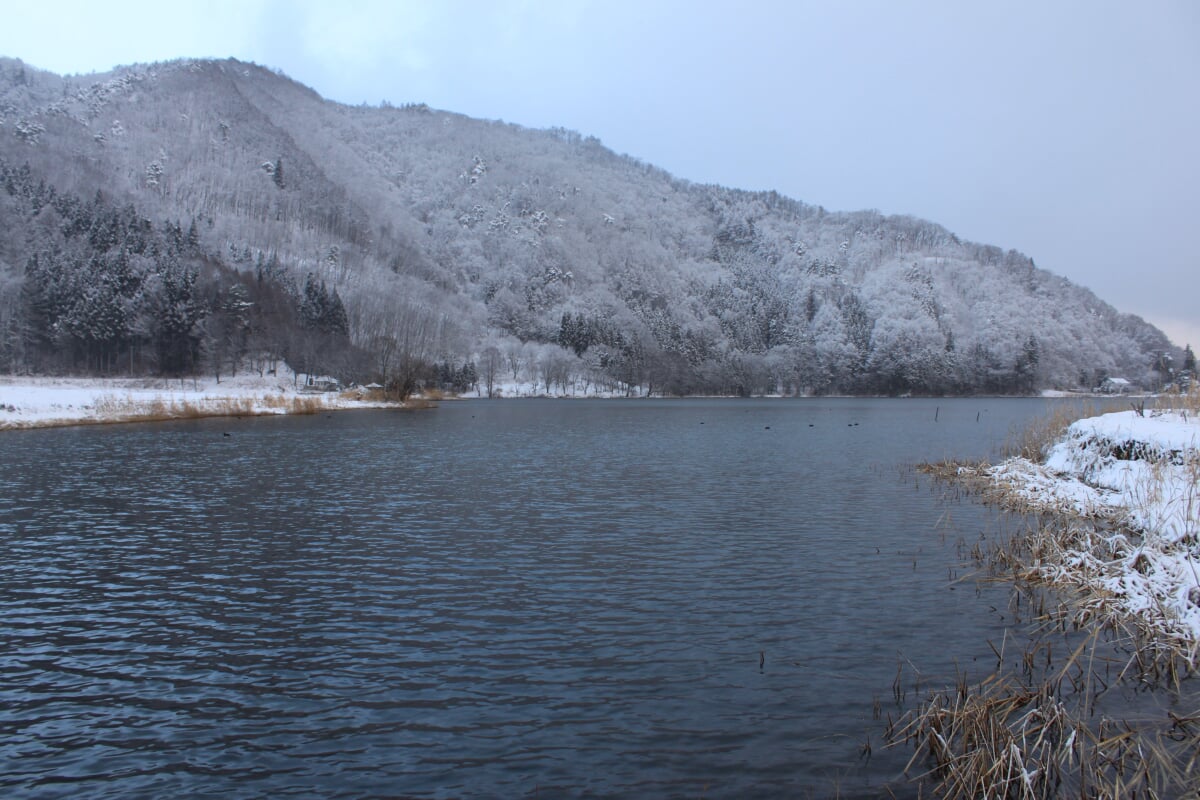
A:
{"x": 1135, "y": 481}
{"x": 33, "y": 402}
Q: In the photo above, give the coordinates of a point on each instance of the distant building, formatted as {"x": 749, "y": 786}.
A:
{"x": 320, "y": 383}
{"x": 1116, "y": 386}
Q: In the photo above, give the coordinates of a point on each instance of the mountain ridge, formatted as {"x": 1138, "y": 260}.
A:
{"x": 466, "y": 238}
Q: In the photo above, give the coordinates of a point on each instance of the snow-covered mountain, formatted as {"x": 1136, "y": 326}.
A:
{"x": 376, "y": 241}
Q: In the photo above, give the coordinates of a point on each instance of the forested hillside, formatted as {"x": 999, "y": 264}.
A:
{"x": 201, "y": 215}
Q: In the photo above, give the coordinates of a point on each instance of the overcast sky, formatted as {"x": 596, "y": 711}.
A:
{"x": 1068, "y": 130}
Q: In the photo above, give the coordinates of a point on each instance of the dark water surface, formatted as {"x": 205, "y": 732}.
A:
{"x": 490, "y": 599}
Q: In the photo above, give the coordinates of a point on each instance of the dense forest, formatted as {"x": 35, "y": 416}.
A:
{"x": 211, "y": 216}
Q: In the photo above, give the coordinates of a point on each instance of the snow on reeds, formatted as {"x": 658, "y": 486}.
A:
{"x": 1121, "y": 495}
{"x": 112, "y": 408}
{"x": 1113, "y": 528}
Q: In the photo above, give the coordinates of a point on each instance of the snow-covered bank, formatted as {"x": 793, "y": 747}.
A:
{"x": 36, "y": 402}
{"x": 1131, "y": 485}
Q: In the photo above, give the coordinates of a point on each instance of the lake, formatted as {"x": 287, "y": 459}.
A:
{"x": 625, "y": 598}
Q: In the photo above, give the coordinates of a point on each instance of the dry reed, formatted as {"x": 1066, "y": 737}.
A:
{"x": 1034, "y": 440}
{"x": 1029, "y": 734}
{"x": 1187, "y": 403}
{"x": 1087, "y": 546}
{"x": 110, "y": 409}
{"x": 1038, "y": 737}
{"x": 1032, "y": 728}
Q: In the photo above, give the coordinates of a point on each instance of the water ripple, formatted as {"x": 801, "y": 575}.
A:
{"x": 487, "y": 600}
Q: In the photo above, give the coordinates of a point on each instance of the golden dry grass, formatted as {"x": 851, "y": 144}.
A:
{"x": 375, "y": 396}
{"x": 1034, "y": 440}
{"x": 1035, "y": 727}
{"x": 1184, "y": 402}
{"x": 112, "y": 409}
{"x": 1078, "y": 551}
{"x": 1014, "y": 736}
{"x": 1035, "y": 735}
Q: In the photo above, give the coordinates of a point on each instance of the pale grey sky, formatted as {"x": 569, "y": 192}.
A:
{"x": 1068, "y": 130}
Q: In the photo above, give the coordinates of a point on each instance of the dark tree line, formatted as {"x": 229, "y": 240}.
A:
{"x": 105, "y": 291}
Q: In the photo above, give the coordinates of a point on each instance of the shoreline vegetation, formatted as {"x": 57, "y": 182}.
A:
{"x": 40, "y": 401}
{"x": 29, "y": 402}
{"x": 1101, "y": 702}
{"x": 45, "y": 402}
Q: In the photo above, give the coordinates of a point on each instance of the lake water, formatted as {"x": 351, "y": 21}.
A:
{"x": 489, "y": 599}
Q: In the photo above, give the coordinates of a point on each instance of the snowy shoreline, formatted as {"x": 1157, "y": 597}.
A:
{"x": 44, "y": 402}
{"x": 1127, "y": 488}
{"x": 28, "y": 402}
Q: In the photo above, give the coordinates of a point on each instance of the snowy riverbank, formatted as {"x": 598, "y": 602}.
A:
{"x": 37, "y": 402}
{"x": 1130, "y": 485}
